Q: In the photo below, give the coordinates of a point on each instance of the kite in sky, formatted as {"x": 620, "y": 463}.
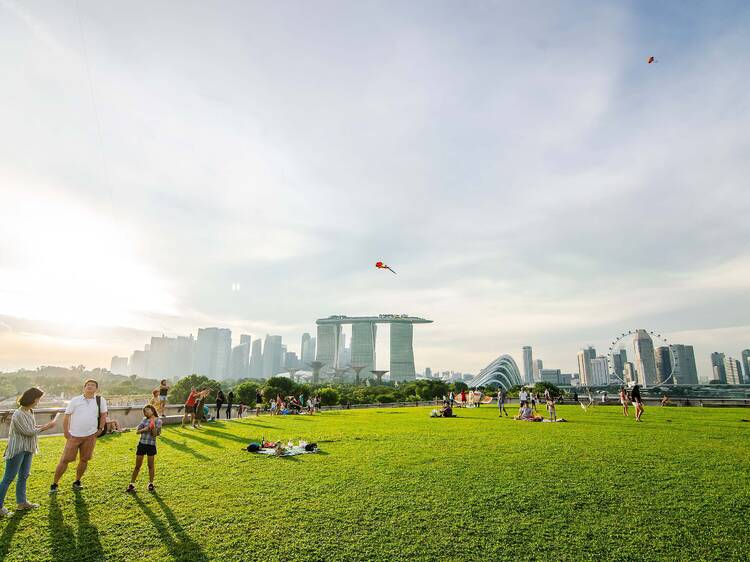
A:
{"x": 652, "y": 59}
{"x": 381, "y": 265}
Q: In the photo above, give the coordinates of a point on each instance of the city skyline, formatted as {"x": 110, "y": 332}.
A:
{"x": 531, "y": 179}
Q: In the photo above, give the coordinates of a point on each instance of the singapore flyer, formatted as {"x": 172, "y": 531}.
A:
{"x": 654, "y": 362}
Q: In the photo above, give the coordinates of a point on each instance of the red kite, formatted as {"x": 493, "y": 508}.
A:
{"x": 381, "y": 265}
{"x": 651, "y": 59}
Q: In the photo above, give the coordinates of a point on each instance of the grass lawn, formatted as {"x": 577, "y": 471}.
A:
{"x": 393, "y": 484}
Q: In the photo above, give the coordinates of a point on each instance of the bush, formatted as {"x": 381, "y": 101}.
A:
{"x": 179, "y": 392}
{"x": 328, "y": 396}
{"x": 386, "y": 398}
{"x": 245, "y": 393}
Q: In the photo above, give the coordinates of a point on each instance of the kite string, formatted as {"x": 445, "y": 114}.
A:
{"x": 100, "y": 136}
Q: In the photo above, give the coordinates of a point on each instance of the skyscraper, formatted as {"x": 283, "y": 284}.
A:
{"x": 644, "y": 358}
{"x": 629, "y": 373}
{"x": 663, "y": 362}
{"x": 245, "y": 338}
{"x": 256, "y": 360}
{"x": 328, "y": 350}
{"x": 272, "y": 356}
{"x": 599, "y": 371}
{"x": 528, "y": 365}
{"x": 402, "y": 352}
{"x": 584, "y": 366}
{"x": 619, "y": 358}
{"x": 746, "y": 366}
{"x": 305, "y": 352}
{"x": 240, "y": 364}
{"x": 213, "y": 352}
{"x": 538, "y": 366}
{"x": 363, "y": 345}
{"x": 685, "y": 371}
{"x": 733, "y": 370}
{"x": 184, "y": 356}
{"x": 717, "y": 362}
{"x": 138, "y": 362}
{"x": 119, "y": 365}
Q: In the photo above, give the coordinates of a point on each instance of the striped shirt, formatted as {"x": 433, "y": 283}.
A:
{"x": 23, "y": 436}
{"x": 146, "y": 437}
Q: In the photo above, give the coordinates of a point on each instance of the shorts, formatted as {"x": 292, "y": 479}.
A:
{"x": 162, "y": 398}
{"x": 145, "y": 449}
{"x": 189, "y": 409}
{"x": 83, "y": 444}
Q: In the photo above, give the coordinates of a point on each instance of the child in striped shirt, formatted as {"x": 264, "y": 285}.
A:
{"x": 148, "y": 429}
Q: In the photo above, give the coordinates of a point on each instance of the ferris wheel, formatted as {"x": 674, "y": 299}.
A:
{"x": 659, "y": 341}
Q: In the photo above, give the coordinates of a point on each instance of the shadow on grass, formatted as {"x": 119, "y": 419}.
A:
{"x": 185, "y": 448}
{"x": 63, "y": 541}
{"x": 194, "y": 435}
{"x": 183, "y": 548}
{"x": 8, "y": 532}
{"x": 228, "y": 436}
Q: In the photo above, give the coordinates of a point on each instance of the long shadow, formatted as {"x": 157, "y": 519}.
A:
{"x": 89, "y": 545}
{"x": 228, "y": 436}
{"x": 184, "y": 548}
{"x": 183, "y": 447}
{"x": 8, "y": 532}
{"x": 177, "y": 529}
{"x": 203, "y": 440}
{"x": 62, "y": 539}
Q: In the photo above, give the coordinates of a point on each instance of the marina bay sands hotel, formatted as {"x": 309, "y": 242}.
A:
{"x": 364, "y": 334}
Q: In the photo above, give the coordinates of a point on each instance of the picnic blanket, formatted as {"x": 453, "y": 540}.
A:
{"x": 288, "y": 451}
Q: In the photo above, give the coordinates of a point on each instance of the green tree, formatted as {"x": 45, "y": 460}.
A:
{"x": 328, "y": 396}
{"x": 245, "y": 392}
{"x": 181, "y": 389}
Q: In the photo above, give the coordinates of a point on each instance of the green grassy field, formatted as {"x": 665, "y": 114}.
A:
{"x": 393, "y": 484}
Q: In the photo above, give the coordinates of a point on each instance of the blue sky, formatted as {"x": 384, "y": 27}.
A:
{"x": 529, "y": 176}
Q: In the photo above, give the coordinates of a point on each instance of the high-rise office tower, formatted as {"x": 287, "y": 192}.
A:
{"x": 240, "y": 364}
{"x": 685, "y": 371}
{"x": 119, "y": 365}
{"x": 619, "y": 358}
{"x": 599, "y": 371}
{"x": 138, "y": 363}
{"x": 272, "y": 356}
{"x": 328, "y": 344}
{"x": 305, "y": 353}
{"x": 184, "y": 356}
{"x": 528, "y": 365}
{"x": 363, "y": 352}
{"x": 629, "y": 373}
{"x": 717, "y": 362}
{"x": 291, "y": 361}
{"x": 402, "y": 352}
{"x": 733, "y": 370}
{"x": 644, "y": 358}
{"x": 746, "y": 366}
{"x": 213, "y": 352}
{"x": 427, "y": 373}
{"x": 663, "y": 362}
{"x": 256, "y": 360}
{"x": 538, "y": 366}
{"x": 162, "y": 361}
{"x": 584, "y": 366}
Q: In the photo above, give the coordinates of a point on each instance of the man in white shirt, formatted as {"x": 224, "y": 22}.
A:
{"x": 523, "y": 398}
{"x": 84, "y": 420}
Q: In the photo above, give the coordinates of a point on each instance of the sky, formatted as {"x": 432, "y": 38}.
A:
{"x": 529, "y": 176}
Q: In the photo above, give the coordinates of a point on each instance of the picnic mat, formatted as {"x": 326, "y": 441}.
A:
{"x": 289, "y": 452}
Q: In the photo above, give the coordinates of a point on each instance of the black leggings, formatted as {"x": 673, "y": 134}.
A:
{"x": 229, "y": 411}
{"x": 218, "y": 409}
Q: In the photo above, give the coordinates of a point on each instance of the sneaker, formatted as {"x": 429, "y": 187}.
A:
{"x": 130, "y": 488}
{"x": 5, "y": 513}
{"x": 53, "y": 489}
{"x": 26, "y": 505}
{"x": 77, "y": 485}
{"x": 151, "y": 487}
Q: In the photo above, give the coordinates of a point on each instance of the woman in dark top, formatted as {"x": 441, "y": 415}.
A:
{"x": 230, "y": 399}
{"x": 635, "y": 398}
{"x": 219, "y": 403}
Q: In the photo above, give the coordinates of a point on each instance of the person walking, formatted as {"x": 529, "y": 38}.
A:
{"x": 23, "y": 444}
{"x": 220, "y": 399}
{"x": 85, "y": 417}
{"x": 149, "y": 429}
{"x": 624, "y": 401}
{"x": 163, "y": 391}
{"x": 230, "y": 401}
{"x": 501, "y": 402}
{"x": 635, "y": 396}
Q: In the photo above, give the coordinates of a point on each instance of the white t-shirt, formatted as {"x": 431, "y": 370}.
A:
{"x": 84, "y": 415}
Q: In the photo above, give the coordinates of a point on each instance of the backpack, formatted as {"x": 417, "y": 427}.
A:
{"x": 99, "y": 415}
{"x": 253, "y": 447}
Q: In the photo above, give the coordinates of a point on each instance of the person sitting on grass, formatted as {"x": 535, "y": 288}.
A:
{"x": 113, "y": 426}
{"x": 525, "y": 414}
{"x": 664, "y": 400}
{"x": 149, "y": 428}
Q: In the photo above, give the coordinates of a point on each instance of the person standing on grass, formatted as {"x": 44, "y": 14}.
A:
{"x": 23, "y": 444}
{"x": 190, "y": 407}
{"x": 501, "y": 402}
{"x": 258, "y": 402}
{"x": 635, "y": 396}
{"x": 149, "y": 429}
{"x": 219, "y": 402}
{"x": 624, "y": 401}
{"x": 200, "y": 401}
{"x": 230, "y": 401}
{"x": 84, "y": 420}
{"x": 163, "y": 391}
